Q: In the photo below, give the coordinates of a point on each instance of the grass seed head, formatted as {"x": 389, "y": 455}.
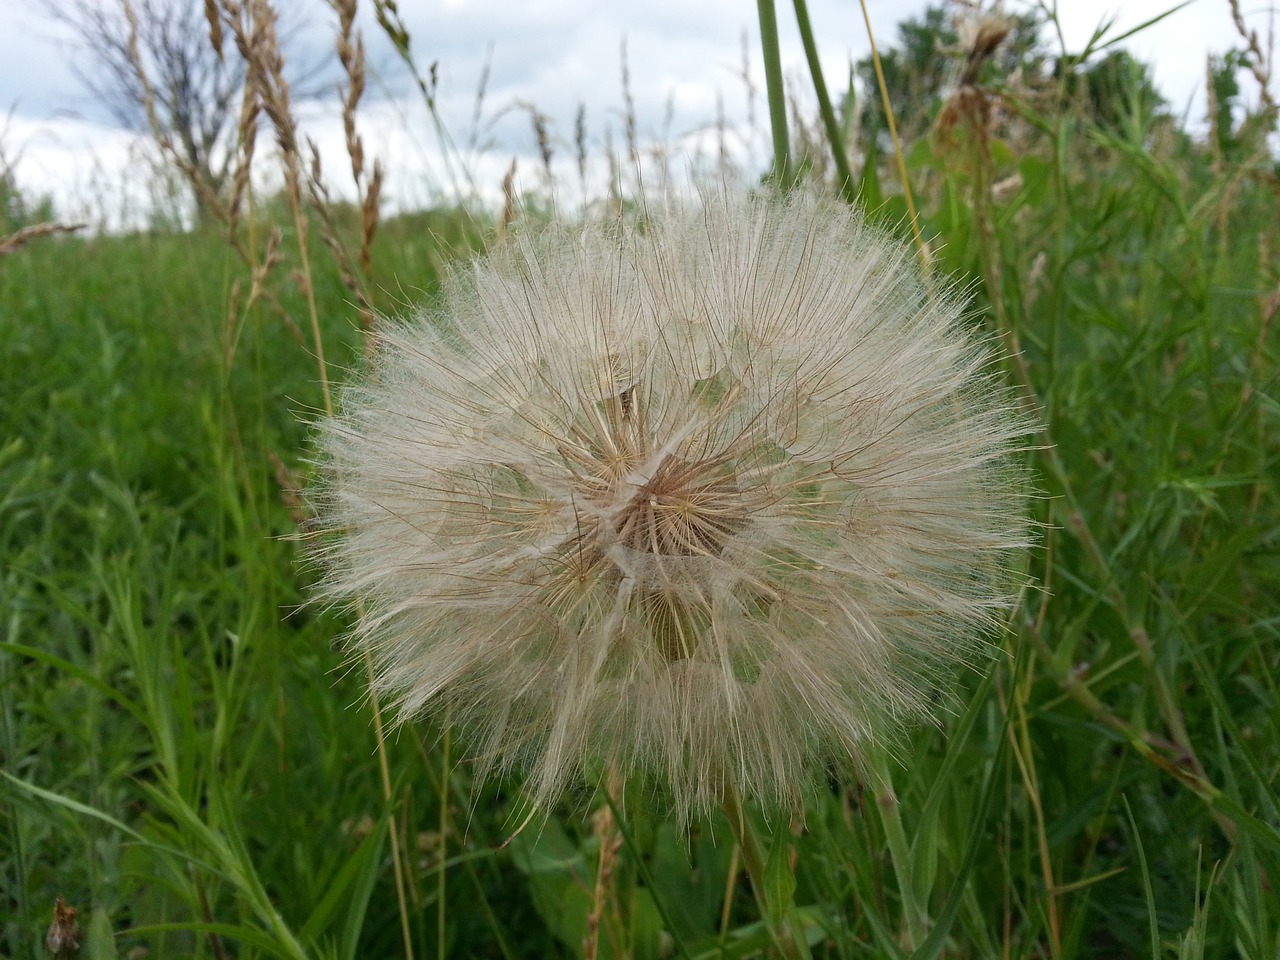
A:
{"x": 713, "y": 502}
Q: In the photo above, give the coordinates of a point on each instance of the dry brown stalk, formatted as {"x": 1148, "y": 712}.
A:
{"x": 369, "y": 216}
{"x": 330, "y": 233}
{"x": 246, "y": 141}
{"x": 215, "y": 26}
{"x": 542, "y": 134}
{"x": 509, "y": 203}
{"x": 20, "y": 238}
{"x": 291, "y": 487}
{"x": 1258, "y": 62}
{"x": 614, "y": 207}
{"x": 251, "y": 25}
{"x": 254, "y": 27}
{"x": 351, "y": 55}
{"x": 604, "y": 904}
{"x": 629, "y": 111}
{"x": 580, "y": 144}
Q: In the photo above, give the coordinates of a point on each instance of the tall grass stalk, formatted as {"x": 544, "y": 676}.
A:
{"x": 898, "y": 155}
{"x": 775, "y": 92}
{"x": 835, "y": 136}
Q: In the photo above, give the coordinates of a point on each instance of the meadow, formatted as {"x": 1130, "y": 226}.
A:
{"x": 188, "y": 757}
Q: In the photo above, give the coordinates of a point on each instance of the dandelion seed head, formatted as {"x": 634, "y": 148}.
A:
{"x": 713, "y": 502}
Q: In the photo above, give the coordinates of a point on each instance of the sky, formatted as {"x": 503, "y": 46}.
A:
{"x": 685, "y": 60}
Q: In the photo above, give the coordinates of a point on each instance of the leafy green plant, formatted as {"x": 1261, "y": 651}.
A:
{"x": 188, "y": 761}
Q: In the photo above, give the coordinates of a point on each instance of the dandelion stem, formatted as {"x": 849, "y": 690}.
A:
{"x": 781, "y": 917}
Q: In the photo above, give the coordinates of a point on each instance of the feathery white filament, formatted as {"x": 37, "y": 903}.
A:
{"x": 709, "y": 501}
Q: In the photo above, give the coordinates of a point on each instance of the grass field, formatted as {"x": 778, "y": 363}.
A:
{"x": 190, "y": 761}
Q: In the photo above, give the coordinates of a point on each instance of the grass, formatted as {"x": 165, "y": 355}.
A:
{"x": 188, "y": 761}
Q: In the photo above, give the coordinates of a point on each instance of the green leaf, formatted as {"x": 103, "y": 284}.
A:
{"x": 353, "y": 884}
{"x": 80, "y": 673}
{"x": 100, "y": 941}
{"x": 1153, "y": 924}
{"x": 779, "y": 880}
{"x": 248, "y": 935}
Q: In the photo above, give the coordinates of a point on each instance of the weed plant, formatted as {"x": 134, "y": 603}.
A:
{"x": 187, "y": 758}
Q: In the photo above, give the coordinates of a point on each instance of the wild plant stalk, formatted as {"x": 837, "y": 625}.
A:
{"x": 970, "y": 109}
{"x": 887, "y": 803}
{"x": 610, "y": 839}
{"x": 775, "y": 92}
{"x": 900, "y": 159}
{"x": 350, "y": 52}
{"x": 368, "y": 192}
{"x": 969, "y": 112}
{"x": 266, "y": 72}
{"x": 845, "y": 185}
{"x": 775, "y": 899}
{"x": 252, "y": 26}
{"x": 24, "y": 235}
{"x": 456, "y": 172}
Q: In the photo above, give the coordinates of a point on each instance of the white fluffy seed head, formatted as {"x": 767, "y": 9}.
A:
{"x": 714, "y": 502}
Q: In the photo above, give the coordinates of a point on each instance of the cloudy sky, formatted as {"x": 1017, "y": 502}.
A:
{"x": 685, "y": 58}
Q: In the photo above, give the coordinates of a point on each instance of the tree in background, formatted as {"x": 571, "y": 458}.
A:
{"x": 1224, "y": 97}
{"x": 928, "y": 59}
{"x": 1238, "y": 130}
{"x": 159, "y": 67}
{"x": 155, "y": 57}
{"x": 1116, "y": 92}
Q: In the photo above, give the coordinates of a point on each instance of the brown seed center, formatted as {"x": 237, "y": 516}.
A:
{"x": 687, "y": 508}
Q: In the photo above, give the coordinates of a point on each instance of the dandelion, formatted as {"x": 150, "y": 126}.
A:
{"x": 716, "y": 502}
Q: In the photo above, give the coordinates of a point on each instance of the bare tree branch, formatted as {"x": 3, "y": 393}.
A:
{"x": 173, "y": 56}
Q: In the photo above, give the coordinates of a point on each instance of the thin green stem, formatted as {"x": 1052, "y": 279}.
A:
{"x": 895, "y": 836}
{"x": 989, "y": 254}
{"x": 921, "y": 246}
{"x": 777, "y": 97}
{"x": 384, "y": 772}
{"x": 441, "y": 915}
{"x": 835, "y": 135}
{"x": 782, "y": 919}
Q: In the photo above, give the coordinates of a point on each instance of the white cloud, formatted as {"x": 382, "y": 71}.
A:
{"x": 684, "y": 56}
